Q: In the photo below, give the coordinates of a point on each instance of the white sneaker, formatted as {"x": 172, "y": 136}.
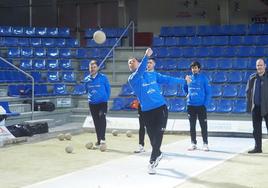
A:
{"x": 205, "y": 147}
{"x": 192, "y": 147}
{"x": 151, "y": 169}
{"x": 158, "y": 159}
{"x": 140, "y": 149}
{"x": 102, "y": 142}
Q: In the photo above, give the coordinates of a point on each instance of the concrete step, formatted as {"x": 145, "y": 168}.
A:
{"x": 50, "y": 122}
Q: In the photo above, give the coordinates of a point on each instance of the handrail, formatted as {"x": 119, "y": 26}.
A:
{"x": 25, "y": 73}
{"x": 133, "y": 42}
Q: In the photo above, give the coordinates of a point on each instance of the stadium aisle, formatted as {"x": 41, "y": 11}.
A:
{"x": 177, "y": 165}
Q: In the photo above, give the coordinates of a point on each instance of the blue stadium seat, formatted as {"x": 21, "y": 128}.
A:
{"x": 17, "y": 31}
{"x": 29, "y": 31}
{"x": 89, "y": 32}
{"x": 252, "y": 64}
{"x": 5, "y": 105}
{"x": 64, "y": 32}
{"x": 13, "y": 52}
{"x": 41, "y": 90}
{"x": 174, "y": 52}
{"x": 241, "y": 92}
{"x": 239, "y": 106}
{"x": 126, "y": 90}
{"x": 79, "y": 89}
{"x": 59, "y": 42}
{"x": 202, "y": 51}
{"x": 212, "y": 106}
{"x": 110, "y": 32}
{"x": 177, "y": 105}
{"x": 219, "y": 77}
{"x": 188, "y": 52}
{"x": 217, "y": 51}
{"x": 81, "y": 53}
{"x": 195, "y": 41}
{"x": 41, "y": 31}
{"x": 26, "y": 64}
{"x": 10, "y": 41}
{"x": 84, "y": 64}
{"x": 216, "y": 90}
{"x": 53, "y": 64}
{"x": 161, "y": 52}
{"x": 72, "y": 43}
{"x": 119, "y": 103}
{"x": 5, "y": 31}
{"x": 250, "y": 40}
{"x": 23, "y": 42}
{"x": 184, "y": 64}
{"x": 230, "y": 51}
{"x": 170, "y": 90}
{"x": 65, "y": 53}
{"x": 37, "y": 77}
{"x": 244, "y": 51}
{"x": 158, "y": 41}
{"x": 40, "y": 52}
{"x": 48, "y": 42}
{"x": 184, "y": 31}
{"x": 209, "y": 64}
{"x": 262, "y": 40}
{"x": 53, "y": 52}
{"x": 246, "y": 76}
{"x": 224, "y": 106}
{"x": 66, "y": 64}
{"x": 53, "y": 76}
{"x": 225, "y": 63}
{"x": 159, "y": 65}
{"x": 68, "y": 77}
{"x": 234, "y": 77}
{"x": 166, "y": 31}
{"x": 240, "y": 63}
{"x": 39, "y": 64}
{"x": 60, "y": 89}
{"x": 26, "y": 52}
{"x": 36, "y": 42}
{"x": 209, "y": 75}
{"x": 229, "y": 91}
{"x": 256, "y": 29}
{"x": 170, "y": 64}
{"x": 171, "y": 41}
{"x": 236, "y": 40}
{"x": 52, "y": 31}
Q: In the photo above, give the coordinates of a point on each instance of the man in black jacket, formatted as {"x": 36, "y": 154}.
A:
{"x": 257, "y": 102}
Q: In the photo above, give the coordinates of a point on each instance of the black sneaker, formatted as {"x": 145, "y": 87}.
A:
{"x": 255, "y": 150}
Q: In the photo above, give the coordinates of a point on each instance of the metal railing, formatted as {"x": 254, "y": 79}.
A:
{"x": 114, "y": 46}
{"x": 28, "y": 75}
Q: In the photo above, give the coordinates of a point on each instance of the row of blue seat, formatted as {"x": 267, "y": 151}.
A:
{"x": 218, "y": 90}
{"x": 49, "y": 64}
{"x": 207, "y": 63}
{"x": 254, "y": 29}
{"x": 51, "y": 76}
{"x": 218, "y": 51}
{"x": 108, "y": 43}
{"x": 39, "y": 42}
{"x": 41, "y": 90}
{"x": 34, "y": 31}
{"x": 16, "y": 52}
{"x": 109, "y": 32}
{"x": 179, "y": 105}
{"x": 211, "y": 40}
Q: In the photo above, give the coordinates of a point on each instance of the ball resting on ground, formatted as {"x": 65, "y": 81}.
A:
{"x": 60, "y": 137}
{"x": 129, "y": 134}
{"x": 68, "y": 136}
{"x": 89, "y": 145}
{"x": 115, "y": 132}
{"x": 103, "y": 147}
{"x": 69, "y": 149}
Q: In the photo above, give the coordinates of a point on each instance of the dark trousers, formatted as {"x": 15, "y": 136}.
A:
{"x": 142, "y": 128}
{"x": 98, "y": 113}
{"x": 257, "y": 126}
{"x": 155, "y": 122}
{"x": 201, "y": 113}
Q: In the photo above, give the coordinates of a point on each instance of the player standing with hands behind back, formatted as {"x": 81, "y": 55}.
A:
{"x": 153, "y": 106}
{"x": 198, "y": 92}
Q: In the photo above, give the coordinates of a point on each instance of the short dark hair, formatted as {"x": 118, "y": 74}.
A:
{"x": 195, "y": 63}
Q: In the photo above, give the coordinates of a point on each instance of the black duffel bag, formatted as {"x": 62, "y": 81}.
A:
{"x": 21, "y": 129}
{"x": 39, "y": 128}
{"x": 44, "y": 106}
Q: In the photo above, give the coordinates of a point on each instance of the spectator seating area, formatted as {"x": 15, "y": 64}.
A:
{"x": 50, "y": 55}
{"x": 227, "y": 53}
